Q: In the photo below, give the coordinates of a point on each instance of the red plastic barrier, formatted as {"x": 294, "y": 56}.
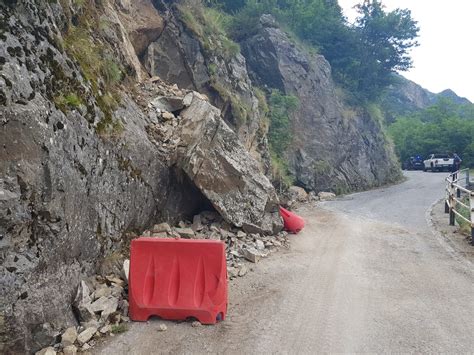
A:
{"x": 177, "y": 279}
{"x": 291, "y": 222}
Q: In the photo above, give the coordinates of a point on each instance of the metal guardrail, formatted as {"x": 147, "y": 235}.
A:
{"x": 458, "y": 186}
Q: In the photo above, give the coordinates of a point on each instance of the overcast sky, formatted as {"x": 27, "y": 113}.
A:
{"x": 445, "y": 57}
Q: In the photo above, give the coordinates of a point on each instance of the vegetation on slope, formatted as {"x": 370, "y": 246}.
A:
{"x": 363, "y": 55}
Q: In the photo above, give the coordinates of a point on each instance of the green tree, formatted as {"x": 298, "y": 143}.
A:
{"x": 385, "y": 42}
{"x": 440, "y": 128}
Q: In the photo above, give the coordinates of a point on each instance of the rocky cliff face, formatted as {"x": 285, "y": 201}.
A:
{"x": 334, "y": 146}
{"x": 86, "y": 158}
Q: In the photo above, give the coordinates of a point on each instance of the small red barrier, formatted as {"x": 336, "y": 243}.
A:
{"x": 291, "y": 222}
{"x": 178, "y": 279}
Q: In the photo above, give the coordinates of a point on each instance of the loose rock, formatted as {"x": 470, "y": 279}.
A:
{"x": 259, "y": 244}
{"x": 196, "y": 324}
{"x": 185, "y": 232}
{"x": 251, "y": 254}
{"x": 69, "y": 336}
{"x": 46, "y": 351}
{"x": 167, "y": 116}
{"x": 162, "y": 227}
{"x": 82, "y": 303}
{"x": 70, "y": 350}
{"x": 162, "y": 327}
{"x": 126, "y": 269}
{"x": 86, "y": 335}
{"x": 243, "y": 270}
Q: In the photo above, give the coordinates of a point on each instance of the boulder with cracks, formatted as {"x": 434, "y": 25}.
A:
{"x": 216, "y": 161}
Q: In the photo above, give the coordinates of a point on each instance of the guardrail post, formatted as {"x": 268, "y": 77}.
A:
{"x": 471, "y": 205}
{"x": 458, "y": 193}
{"x": 468, "y": 182}
{"x": 451, "y": 205}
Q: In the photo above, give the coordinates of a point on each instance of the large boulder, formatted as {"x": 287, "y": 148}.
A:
{"x": 219, "y": 165}
{"x": 335, "y": 147}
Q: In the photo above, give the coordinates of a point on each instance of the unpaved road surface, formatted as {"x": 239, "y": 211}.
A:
{"x": 367, "y": 274}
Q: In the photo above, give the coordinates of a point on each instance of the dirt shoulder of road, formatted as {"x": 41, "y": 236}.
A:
{"x": 460, "y": 242}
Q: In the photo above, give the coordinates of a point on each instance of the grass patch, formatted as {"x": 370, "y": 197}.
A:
{"x": 64, "y": 102}
{"x": 240, "y": 110}
{"x": 282, "y": 178}
{"x": 210, "y": 26}
{"x": 100, "y": 69}
{"x": 119, "y": 328}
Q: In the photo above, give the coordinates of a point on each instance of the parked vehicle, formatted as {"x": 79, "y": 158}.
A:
{"x": 438, "y": 162}
{"x": 413, "y": 163}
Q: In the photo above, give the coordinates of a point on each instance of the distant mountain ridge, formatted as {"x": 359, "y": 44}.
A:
{"x": 405, "y": 96}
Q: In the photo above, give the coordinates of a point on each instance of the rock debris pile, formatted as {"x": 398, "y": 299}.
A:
{"x": 101, "y": 308}
{"x": 241, "y": 247}
{"x": 101, "y": 303}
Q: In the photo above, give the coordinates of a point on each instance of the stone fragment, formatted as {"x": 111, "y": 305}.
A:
{"x": 241, "y": 234}
{"x": 126, "y": 269}
{"x": 196, "y": 324}
{"x": 276, "y": 243}
{"x": 259, "y": 244}
{"x": 197, "y": 224}
{"x": 86, "y": 335}
{"x": 188, "y": 99}
{"x": 69, "y": 336}
{"x": 251, "y": 254}
{"x": 46, "y": 351}
{"x": 243, "y": 270}
{"x": 167, "y": 116}
{"x": 106, "y": 329}
{"x": 185, "y": 232}
{"x": 168, "y": 103}
{"x": 162, "y": 327}
{"x": 82, "y": 303}
{"x": 70, "y": 350}
{"x": 235, "y": 253}
{"x": 162, "y": 227}
{"x": 102, "y": 291}
{"x": 108, "y": 304}
{"x": 90, "y": 324}
{"x": 299, "y": 193}
{"x": 85, "y": 347}
{"x": 326, "y": 196}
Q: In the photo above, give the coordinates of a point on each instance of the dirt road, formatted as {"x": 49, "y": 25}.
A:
{"x": 367, "y": 275}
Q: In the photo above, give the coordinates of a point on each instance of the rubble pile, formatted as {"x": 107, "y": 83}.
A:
{"x": 101, "y": 308}
{"x": 101, "y": 303}
{"x": 240, "y": 246}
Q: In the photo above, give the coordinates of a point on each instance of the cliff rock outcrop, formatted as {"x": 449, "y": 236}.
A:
{"x": 334, "y": 146}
